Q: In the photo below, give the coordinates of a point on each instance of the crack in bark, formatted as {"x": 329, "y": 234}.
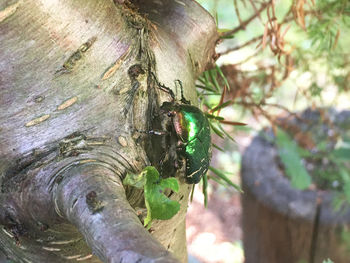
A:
{"x": 313, "y": 247}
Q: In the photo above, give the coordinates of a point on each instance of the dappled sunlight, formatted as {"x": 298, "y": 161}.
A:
{"x": 214, "y": 233}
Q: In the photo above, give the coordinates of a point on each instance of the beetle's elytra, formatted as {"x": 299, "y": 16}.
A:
{"x": 193, "y": 132}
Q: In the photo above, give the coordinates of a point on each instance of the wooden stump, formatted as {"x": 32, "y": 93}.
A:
{"x": 285, "y": 225}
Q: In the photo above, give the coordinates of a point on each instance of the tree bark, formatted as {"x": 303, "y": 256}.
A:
{"x": 78, "y": 79}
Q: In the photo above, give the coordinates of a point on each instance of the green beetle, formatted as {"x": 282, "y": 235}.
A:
{"x": 193, "y": 133}
{"x": 191, "y": 128}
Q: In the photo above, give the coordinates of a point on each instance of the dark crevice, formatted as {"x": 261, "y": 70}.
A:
{"x": 315, "y": 232}
{"x": 74, "y": 202}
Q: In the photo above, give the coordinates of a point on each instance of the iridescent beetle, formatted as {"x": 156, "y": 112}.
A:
{"x": 193, "y": 132}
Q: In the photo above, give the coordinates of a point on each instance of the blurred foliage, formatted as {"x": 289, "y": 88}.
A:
{"x": 328, "y": 165}
{"x": 277, "y": 58}
{"x": 158, "y": 205}
{"x": 332, "y": 17}
{"x": 208, "y": 90}
{"x": 289, "y": 153}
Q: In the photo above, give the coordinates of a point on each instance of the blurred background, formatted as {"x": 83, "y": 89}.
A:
{"x": 277, "y": 59}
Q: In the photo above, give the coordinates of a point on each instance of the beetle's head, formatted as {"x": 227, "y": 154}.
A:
{"x": 167, "y": 106}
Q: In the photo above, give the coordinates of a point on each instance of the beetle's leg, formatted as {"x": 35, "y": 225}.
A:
{"x": 179, "y": 163}
{"x": 168, "y": 157}
{"x": 180, "y": 148}
{"x": 163, "y": 87}
{"x": 160, "y": 133}
{"x": 154, "y": 132}
{"x": 180, "y": 145}
{"x": 183, "y": 100}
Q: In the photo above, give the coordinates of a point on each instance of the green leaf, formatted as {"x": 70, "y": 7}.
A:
{"x": 211, "y": 116}
{"x": 192, "y": 193}
{"x": 327, "y": 261}
{"x": 216, "y": 130}
{"x": 223, "y": 105}
{"x": 218, "y": 180}
{"x": 337, "y": 202}
{"x": 213, "y": 77}
{"x": 224, "y": 30}
{"x": 135, "y": 180}
{"x": 303, "y": 153}
{"x": 344, "y": 174}
{"x": 342, "y": 153}
{"x": 222, "y": 176}
{"x": 205, "y": 188}
{"x": 202, "y": 80}
{"x": 226, "y": 133}
{"x": 315, "y": 90}
{"x": 218, "y": 147}
{"x": 346, "y": 189}
{"x": 158, "y": 205}
{"x": 223, "y": 76}
{"x": 206, "y": 76}
{"x": 227, "y": 36}
{"x": 207, "y": 87}
{"x": 294, "y": 168}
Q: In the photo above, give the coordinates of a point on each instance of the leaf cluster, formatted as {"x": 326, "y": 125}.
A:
{"x": 325, "y": 166}
{"x": 213, "y": 84}
{"x": 158, "y": 205}
{"x": 284, "y": 41}
{"x": 329, "y": 20}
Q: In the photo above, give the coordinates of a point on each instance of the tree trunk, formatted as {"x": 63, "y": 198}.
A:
{"x": 78, "y": 80}
{"x": 284, "y": 224}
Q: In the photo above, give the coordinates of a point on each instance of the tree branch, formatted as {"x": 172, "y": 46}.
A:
{"x": 241, "y": 46}
{"x": 246, "y": 22}
{"x": 101, "y": 212}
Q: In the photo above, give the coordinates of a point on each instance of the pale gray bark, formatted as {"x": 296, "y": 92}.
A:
{"x": 67, "y": 123}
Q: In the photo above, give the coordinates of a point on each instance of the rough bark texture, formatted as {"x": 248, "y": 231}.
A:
{"x": 283, "y": 224}
{"x": 77, "y": 80}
